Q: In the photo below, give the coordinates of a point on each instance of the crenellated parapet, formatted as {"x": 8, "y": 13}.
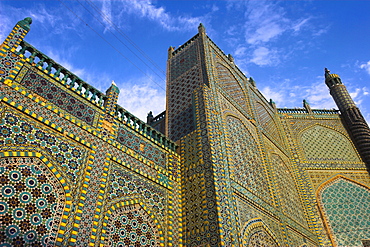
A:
{"x": 305, "y": 111}
{"x": 114, "y": 114}
{"x": 90, "y": 161}
{"x": 144, "y": 129}
{"x": 59, "y": 73}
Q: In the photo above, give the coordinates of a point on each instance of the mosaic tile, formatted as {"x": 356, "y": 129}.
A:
{"x": 32, "y": 202}
{"x": 75, "y": 172}
{"x": 345, "y": 205}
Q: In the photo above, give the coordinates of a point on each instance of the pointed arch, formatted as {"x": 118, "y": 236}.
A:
{"x": 246, "y": 163}
{"x": 33, "y": 182}
{"x": 256, "y": 233}
{"x": 131, "y": 223}
{"x": 230, "y": 85}
{"x": 326, "y": 144}
{"x": 268, "y": 122}
{"x": 343, "y": 206}
{"x": 287, "y": 189}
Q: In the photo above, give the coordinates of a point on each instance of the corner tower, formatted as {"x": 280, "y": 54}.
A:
{"x": 352, "y": 116}
{"x": 185, "y": 73}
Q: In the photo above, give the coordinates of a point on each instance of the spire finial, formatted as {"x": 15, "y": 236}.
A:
{"x": 307, "y": 106}
{"x": 201, "y": 28}
{"x": 327, "y": 72}
{"x": 25, "y": 23}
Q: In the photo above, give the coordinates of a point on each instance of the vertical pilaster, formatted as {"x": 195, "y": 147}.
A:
{"x": 107, "y": 122}
{"x": 16, "y": 35}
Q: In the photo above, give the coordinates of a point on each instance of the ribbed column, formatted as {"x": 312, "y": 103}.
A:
{"x": 352, "y": 116}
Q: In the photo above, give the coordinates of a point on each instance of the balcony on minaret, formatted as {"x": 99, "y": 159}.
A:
{"x": 332, "y": 79}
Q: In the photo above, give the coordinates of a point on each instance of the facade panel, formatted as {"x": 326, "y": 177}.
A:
{"x": 76, "y": 169}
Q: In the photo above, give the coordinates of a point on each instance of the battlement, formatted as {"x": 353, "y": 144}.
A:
{"x": 143, "y": 128}
{"x": 159, "y": 117}
{"x": 305, "y": 111}
{"x": 182, "y": 47}
{"x": 59, "y": 73}
{"x": 228, "y": 57}
{"x": 72, "y": 82}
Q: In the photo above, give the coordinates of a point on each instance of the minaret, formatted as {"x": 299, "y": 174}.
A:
{"x": 352, "y": 116}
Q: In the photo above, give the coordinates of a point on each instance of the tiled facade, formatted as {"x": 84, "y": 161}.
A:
{"x": 76, "y": 169}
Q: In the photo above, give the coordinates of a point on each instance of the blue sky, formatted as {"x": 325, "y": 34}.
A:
{"x": 283, "y": 45}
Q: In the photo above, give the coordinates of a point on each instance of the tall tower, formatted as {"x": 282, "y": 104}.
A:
{"x": 352, "y": 116}
{"x": 185, "y": 73}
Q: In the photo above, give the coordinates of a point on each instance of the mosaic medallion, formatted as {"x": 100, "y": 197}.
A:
{"x": 31, "y": 203}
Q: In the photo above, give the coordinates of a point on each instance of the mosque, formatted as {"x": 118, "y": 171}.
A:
{"x": 221, "y": 166}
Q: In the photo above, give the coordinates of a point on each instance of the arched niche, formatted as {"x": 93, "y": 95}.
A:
{"x": 344, "y": 208}
{"x": 230, "y": 85}
{"x": 129, "y": 224}
{"x": 326, "y": 144}
{"x": 33, "y": 200}
{"x": 255, "y": 234}
{"x": 246, "y": 164}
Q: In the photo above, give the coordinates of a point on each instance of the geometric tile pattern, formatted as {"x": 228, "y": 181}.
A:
{"x": 131, "y": 226}
{"x": 228, "y": 83}
{"x": 31, "y": 203}
{"x": 317, "y": 177}
{"x": 288, "y": 194}
{"x": 15, "y": 131}
{"x": 267, "y": 122}
{"x": 7, "y": 64}
{"x": 149, "y": 151}
{"x": 320, "y": 143}
{"x": 346, "y": 207}
{"x": 247, "y": 167}
{"x": 46, "y": 124}
{"x": 124, "y": 183}
{"x": 184, "y": 60}
{"x": 35, "y": 82}
{"x": 234, "y": 186}
{"x": 179, "y": 105}
{"x": 201, "y": 215}
{"x": 296, "y": 239}
{"x": 192, "y": 185}
{"x": 184, "y": 77}
{"x": 251, "y": 217}
{"x": 260, "y": 237}
{"x": 342, "y": 98}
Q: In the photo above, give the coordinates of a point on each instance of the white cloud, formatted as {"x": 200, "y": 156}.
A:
{"x": 300, "y": 24}
{"x": 318, "y": 96}
{"x": 265, "y": 33}
{"x": 45, "y": 17}
{"x": 146, "y": 9}
{"x": 276, "y": 96}
{"x": 269, "y": 28}
{"x": 240, "y": 51}
{"x": 5, "y": 27}
{"x": 355, "y": 93}
{"x": 215, "y": 8}
{"x": 366, "y": 66}
{"x": 265, "y": 21}
{"x": 287, "y": 95}
{"x": 107, "y": 13}
{"x": 321, "y": 31}
{"x": 264, "y": 56}
{"x": 140, "y": 99}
